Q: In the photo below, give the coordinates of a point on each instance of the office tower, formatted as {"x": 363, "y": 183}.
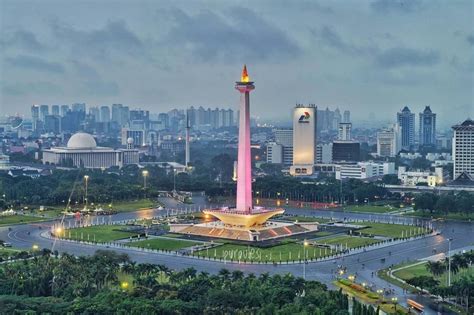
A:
{"x": 344, "y": 133}
{"x": 43, "y": 112}
{"x": 324, "y": 153}
{"x": 406, "y": 120}
{"x": 427, "y": 128}
{"x": 463, "y": 148}
{"x": 64, "y": 110}
{"x": 389, "y": 141}
{"x": 105, "y": 114}
{"x": 345, "y": 151}
{"x": 304, "y": 140}
{"x": 78, "y": 107}
{"x": 337, "y": 119}
{"x": 95, "y": 112}
{"x": 281, "y": 150}
{"x": 164, "y": 120}
{"x": 35, "y": 116}
{"x": 346, "y": 116}
{"x": 52, "y": 123}
{"x": 187, "y": 153}
{"x": 55, "y": 110}
{"x": 120, "y": 114}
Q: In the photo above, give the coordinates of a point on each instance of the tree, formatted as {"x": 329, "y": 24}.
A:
{"x": 423, "y": 282}
{"x": 436, "y": 268}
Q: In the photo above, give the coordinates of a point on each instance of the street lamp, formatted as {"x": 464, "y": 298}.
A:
{"x": 351, "y": 278}
{"x": 449, "y": 261}
{"x": 86, "y": 181}
{"x": 35, "y": 247}
{"x": 394, "y": 301}
{"x": 305, "y": 243}
{"x": 145, "y": 174}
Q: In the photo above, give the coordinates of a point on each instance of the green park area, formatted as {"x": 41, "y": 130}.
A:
{"x": 371, "y": 208}
{"x": 18, "y": 219}
{"x": 7, "y": 252}
{"x": 348, "y": 241}
{"x": 291, "y": 251}
{"x": 418, "y": 270}
{"x": 97, "y": 233}
{"x": 134, "y": 205}
{"x": 460, "y": 216}
{"x": 162, "y": 243}
{"x": 300, "y": 218}
{"x": 391, "y": 230}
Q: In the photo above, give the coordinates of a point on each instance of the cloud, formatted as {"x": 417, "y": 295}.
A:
{"x": 35, "y": 63}
{"x": 115, "y": 37}
{"x": 22, "y": 39}
{"x": 399, "y": 56}
{"x": 400, "y": 6}
{"x": 30, "y": 88}
{"x": 91, "y": 82}
{"x": 332, "y": 39}
{"x": 241, "y": 34}
{"x": 470, "y": 39}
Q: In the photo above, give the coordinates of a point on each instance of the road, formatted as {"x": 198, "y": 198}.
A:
{"x": 364, "y": 265}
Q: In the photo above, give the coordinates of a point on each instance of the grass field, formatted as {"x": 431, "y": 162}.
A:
{"x": 163, "y": 244}
{"x": 284, "y": 252}
{"x": 390, "y": 230}
{"x": 449, "y": 216}
{"x": 370, "y": 208}
{"x": 350, "y": 241}
{"x": 420, "y": 270}
{"x": 97, "y": 233}
{"x": 134, "y": 205}
{"x": 18, "y": 219}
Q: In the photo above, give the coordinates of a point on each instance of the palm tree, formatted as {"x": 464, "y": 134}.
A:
{"x": 224, "y": 274}
{"x": 436, "y": 268}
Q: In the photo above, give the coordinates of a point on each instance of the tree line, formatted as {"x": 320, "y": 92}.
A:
{"x": 109, "y": 283}
{"x": 461, "y": 202}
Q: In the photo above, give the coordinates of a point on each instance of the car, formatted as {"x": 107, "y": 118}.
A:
{"x": 6, "y": 244}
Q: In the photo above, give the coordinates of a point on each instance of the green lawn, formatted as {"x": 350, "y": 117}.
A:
{"x": 449, "y": 216}
{"x": 350, "y": 241}
{"x": 420, "y": 270}
{"x": 18, "y": 219}
{"x": 98, "y": 233}
{"x": 134, "y": 205}
{"x": 163, "y": 244}
{"x": 284, "y": 252}
{"x": 390, "y": 230}
{"x": 371, "y": 208}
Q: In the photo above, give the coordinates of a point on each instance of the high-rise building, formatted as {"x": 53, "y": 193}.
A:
{"x": 281, "y": 151}
{"x": 324, "y": 153}
{"x": 304, "y": 139}
{"x": 95, "y": 112}
{"x": 55, "y": 110}
{"x": 52, "y": 123}
{"x": 120, "y": 114}
{"x": 406, "y": 120}
{"x": 389, "y": 141}
{"x": 463, "y": 148}
{"x": 345, "y": 151}
{"x": 79, "y": 107}
{"x": 344, "y": 133}
{"x": 43, "y": 112}
{"x": 64, "y": 110}
{"x": 35, "y": 116}
{"x": 105, "y": 114}
{"x": 427, "y": 128}
{"x": 346, "y": 116}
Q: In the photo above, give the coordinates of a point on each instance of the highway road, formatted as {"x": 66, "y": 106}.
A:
{"x": 365, "y": 264}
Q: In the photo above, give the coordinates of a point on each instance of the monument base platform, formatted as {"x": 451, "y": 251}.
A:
{"x": 266, "y": 231}
{"x": 233, "y": 217}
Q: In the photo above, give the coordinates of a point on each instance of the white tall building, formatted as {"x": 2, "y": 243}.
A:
{"x": 412, "y": 178}
{"x": 324, "y": 153}
{"x": 345, "y": 130}
{"x": 389, "y": 141}
{"x": 304, "y": 140}
{"x": 463, "y": 148}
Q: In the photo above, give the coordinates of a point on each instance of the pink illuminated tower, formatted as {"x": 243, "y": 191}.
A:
{"x": 244, "y": 163}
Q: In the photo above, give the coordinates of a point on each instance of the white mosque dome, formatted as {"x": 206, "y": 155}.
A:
{"x": 81, "y": 140}
{"x": 130, "y": 140}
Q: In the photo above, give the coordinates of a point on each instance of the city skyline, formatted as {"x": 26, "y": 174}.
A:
{"x": 145, "y": 55}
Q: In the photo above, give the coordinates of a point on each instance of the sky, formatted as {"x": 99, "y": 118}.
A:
{"x": 365, "y": 56}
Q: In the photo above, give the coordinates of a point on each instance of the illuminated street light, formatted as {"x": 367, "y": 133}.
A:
{"x": 124, "y": 285}
{"x": 305, "y": 243}
{"x": 86, "y": 181}
{"x": 145, "y": 174}
{"x": 35, "y": 247}
{"x": 351, "y": 278}
{"x": 394, "y": 301}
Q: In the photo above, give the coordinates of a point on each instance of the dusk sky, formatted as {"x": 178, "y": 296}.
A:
{"x": 365, "y": 56}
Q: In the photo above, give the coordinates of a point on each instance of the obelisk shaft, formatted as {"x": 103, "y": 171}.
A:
{"x": 244, "y": 166}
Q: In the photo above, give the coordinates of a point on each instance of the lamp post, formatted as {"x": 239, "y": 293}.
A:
{"x": 394, "y": 301}
{"x": 86, "y": 181}
{"x": 449, "y": 261}
{"x": 305, "y": 243}
{"x": 145, "y": 175}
